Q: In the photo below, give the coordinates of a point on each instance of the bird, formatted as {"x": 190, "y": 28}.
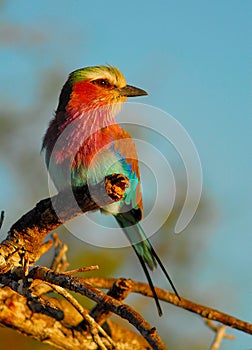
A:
{"x": 84, "y": 144}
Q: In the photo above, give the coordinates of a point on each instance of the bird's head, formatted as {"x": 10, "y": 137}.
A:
{"x": 94, "y": 87}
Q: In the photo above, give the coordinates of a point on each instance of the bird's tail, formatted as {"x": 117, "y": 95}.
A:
{"x": 144, "y": 251}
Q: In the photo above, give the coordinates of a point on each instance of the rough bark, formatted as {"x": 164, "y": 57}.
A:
{"x": 24, "y": 302}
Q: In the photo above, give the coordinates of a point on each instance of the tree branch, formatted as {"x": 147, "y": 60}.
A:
{"x": 201, "y": 310}
{"x": 65, "y": 334}
{"x": 77, "y": 285}
{"x": 219, "y": 334}
{"x": 28, "y": 233}
{"x": 33, "y": 313}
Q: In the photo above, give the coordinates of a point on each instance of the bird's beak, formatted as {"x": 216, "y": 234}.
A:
{"x": 131, "y": 91}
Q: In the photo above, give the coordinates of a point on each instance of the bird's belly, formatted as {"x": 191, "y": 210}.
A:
{"x": 103, "y": 164}
{"x": 106, "y": 164}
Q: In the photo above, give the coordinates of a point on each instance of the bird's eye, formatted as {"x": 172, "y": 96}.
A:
{"x": 101, "y": 82}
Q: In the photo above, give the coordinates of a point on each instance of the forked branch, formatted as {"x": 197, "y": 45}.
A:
{"x": 27, "y": 290}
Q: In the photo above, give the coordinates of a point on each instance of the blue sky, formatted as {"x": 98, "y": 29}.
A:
{"x": 193, "y": 57}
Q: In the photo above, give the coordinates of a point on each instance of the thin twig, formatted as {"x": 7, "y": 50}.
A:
{"x": 65, "y": 334}
{"x": 82, "y": 269}
{"x": 119, "y": 291}
{"x": 219, "y": 334}
{"x": 27, "y": 234}
{"x": 218, "y": 338}
{"x": 93, "y": 326}
{"x": 59, "y": 262}
{"x": 78, "y": 285}
{"x": 201, "y": 310}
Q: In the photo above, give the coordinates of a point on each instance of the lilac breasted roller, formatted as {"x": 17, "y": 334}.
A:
{"x": 84, "y": 144}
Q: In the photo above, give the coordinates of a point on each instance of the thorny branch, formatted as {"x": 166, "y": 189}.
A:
{"x": 27, "y": 291}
